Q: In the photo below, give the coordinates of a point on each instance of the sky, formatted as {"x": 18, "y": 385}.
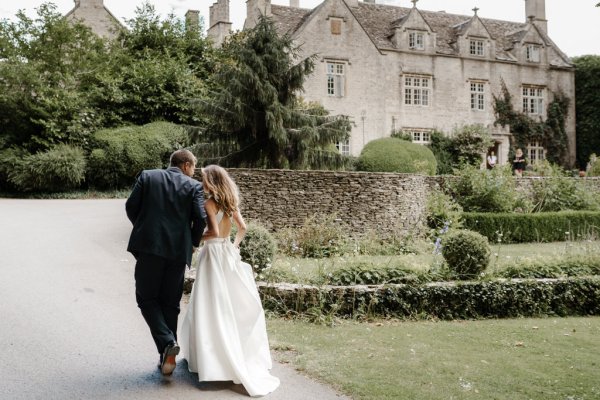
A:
{"x": 573, "y": 25}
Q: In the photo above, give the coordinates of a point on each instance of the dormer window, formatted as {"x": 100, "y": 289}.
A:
{"x": 416, "y": 41}
{"x": 533, "y": 53}
{"x": 476, "y": 47}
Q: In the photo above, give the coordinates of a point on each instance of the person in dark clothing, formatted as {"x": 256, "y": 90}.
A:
{"x": 519, "y": 163}
{"x": 166, "y": 208}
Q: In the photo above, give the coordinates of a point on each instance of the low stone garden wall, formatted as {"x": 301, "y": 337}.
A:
{"x": 383, "y": 202}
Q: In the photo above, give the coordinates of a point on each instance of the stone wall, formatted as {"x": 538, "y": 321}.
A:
{"x": 386, "y": 203}
{"x": 381, "y": 202}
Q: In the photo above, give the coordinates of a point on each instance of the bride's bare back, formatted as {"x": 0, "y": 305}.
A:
{"x": 219, "y": 224}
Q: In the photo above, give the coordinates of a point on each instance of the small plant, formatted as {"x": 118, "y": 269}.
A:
{"x": 320, "y": 236}
{"x": 442, "y": 211}
{"x": 258, "y": 247}
{"x": 593, "y": 166}
{"x": 558, "y": 191}
{"x": 466, "y": 252}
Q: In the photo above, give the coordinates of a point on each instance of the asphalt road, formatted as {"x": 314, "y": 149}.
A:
{"x": 69, "y": 325}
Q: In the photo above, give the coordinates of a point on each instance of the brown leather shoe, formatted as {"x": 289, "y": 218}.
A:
{"x": 169, "y": 358}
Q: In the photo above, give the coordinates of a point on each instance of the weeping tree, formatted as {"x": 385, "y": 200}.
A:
{"x": 257, "y": 118}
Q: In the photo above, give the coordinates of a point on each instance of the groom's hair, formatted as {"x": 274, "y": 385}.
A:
{"x": 180, "y": 157}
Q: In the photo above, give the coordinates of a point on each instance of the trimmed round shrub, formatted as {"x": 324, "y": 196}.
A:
{"x": 396, "y": 155}
{"x": 258, "y": 247}
{"x": 61, "y": 168}
{"x": 466, "y": 252}
{"x": 120, "y": 154}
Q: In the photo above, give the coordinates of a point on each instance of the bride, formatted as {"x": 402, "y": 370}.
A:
{"x": 223, "y": 335}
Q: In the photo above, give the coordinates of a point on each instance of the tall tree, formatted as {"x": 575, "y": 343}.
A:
{"x": 587, "y": 104}
{"x": 46, "y": 63}
{"x": 156, "y": 68}
{"x": 257, "y": 118}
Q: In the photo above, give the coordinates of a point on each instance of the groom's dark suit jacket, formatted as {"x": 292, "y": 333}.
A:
{"x": 166, "y": 208}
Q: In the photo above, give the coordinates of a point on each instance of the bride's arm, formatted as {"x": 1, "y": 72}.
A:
{"x": 241, "y": 228}
{"x": 212, "y": 228}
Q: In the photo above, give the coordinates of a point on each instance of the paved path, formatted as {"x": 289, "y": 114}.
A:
{"x": 69, "y": 325}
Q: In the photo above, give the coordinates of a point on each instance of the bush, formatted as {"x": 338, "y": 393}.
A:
{"x": 466, "y": 252}
{"x": 258, "y": 247}
{"x": 61, "y": 168}
{"x": 443, "y": 148}
{"x": 469, "y": 143}
{"x": 536, "y": 227}
{"x": 484, "y": 190}
{"x": 466, "y": 300}
{"x": 395, "y": 155}
{"x": 561, "y": 268}
{"x": 593, "y": 166}
{"x": 10, "y": 158}
{"x": 558, "y": 191}
{"x": 320, "y": 236}
{"x": 120, "y": 154}
{"x": 363, "y": 273}
{"x": 442, "y": 210}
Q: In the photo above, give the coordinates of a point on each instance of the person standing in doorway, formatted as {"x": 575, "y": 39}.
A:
{"x": 166, "y": 208}
{"x": 492, "y": 160}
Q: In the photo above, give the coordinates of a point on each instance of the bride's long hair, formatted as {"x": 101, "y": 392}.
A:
{"x": 219, "y": 185}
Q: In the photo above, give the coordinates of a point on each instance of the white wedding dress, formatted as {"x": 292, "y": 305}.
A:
{"x": 223, "y": 334}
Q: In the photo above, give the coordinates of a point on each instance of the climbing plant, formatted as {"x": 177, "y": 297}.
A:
{"x": 551, "y": 133}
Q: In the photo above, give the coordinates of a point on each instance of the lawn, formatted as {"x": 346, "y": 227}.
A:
{"x": 545, "y": 359}
{"x": 306, "y": 270}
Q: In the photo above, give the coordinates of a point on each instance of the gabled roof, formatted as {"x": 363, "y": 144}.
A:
{"x": 379, "y": 21}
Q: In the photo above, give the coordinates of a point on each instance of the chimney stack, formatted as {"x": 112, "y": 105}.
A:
{"x": 254, "y": 10}
{"x": 295, "y": 3}
{"x": 219, "y": 26}
{"x": 535, "y": 10}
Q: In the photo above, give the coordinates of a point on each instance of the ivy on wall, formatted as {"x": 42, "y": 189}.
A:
{"x": 551, "y": 133}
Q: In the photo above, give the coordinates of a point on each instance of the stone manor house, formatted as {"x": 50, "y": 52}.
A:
{"x": 405, "y": 69}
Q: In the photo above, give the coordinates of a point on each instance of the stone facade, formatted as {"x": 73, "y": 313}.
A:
{"x": 385, "y": 203}
{"x": 94, "y": 14}
{"x": 395, "y": 68}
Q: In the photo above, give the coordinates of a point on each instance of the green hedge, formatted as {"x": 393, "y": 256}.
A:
{"x": 120, "y": 154}
{"x": 577, "y": 266}
{"x": 488, "y": 299}
{"x": 534, "y": 227}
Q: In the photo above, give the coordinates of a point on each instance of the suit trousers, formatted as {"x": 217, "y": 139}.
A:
{"x": 158, "y": 291}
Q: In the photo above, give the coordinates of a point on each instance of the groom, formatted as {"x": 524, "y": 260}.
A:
{"x": 166, "y": 208}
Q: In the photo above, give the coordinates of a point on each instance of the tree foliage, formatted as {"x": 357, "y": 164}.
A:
{"x": 587, "y": 95}
{"x": 465, "y": 146}
{"x": 44, "y": 80}
{"x": 256, "y": 116}
{"x": 156, "y": 68}
{"x": 59, "y": 82}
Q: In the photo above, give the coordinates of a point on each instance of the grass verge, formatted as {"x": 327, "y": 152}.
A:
{"x": 545, "y": 359}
